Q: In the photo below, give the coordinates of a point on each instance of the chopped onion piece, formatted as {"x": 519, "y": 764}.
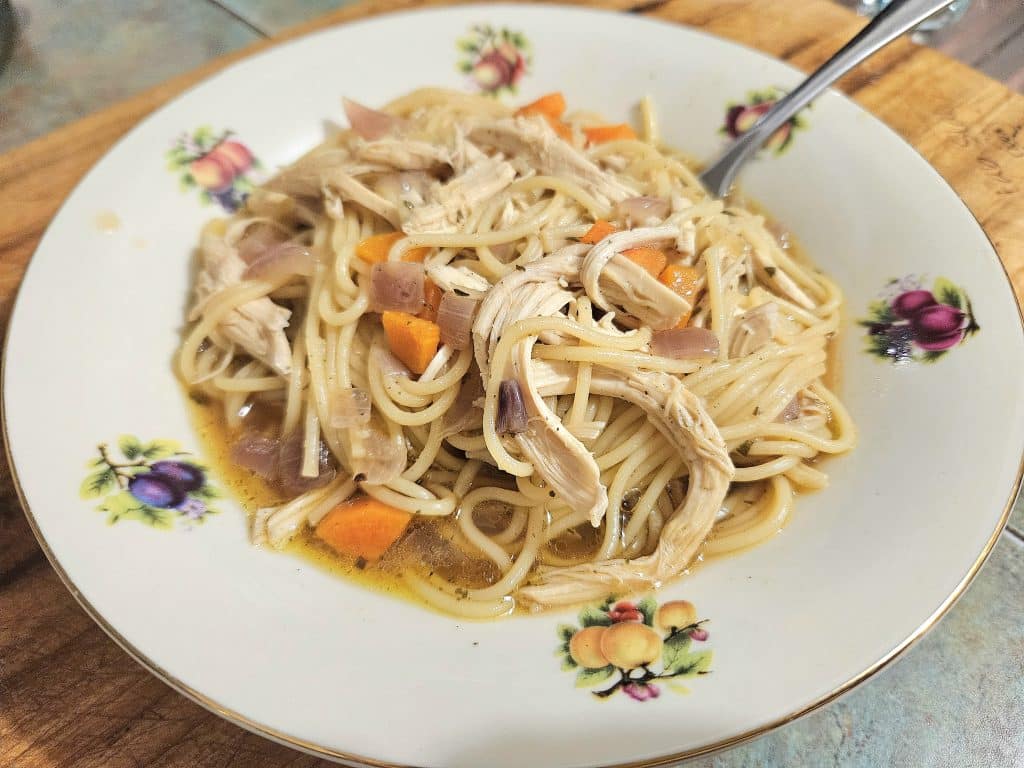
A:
{"x": 511, "y": 418}
{"x": 377, "y": 457}
{"x": 279, "y": 261}
{"x": 639, "y": 209}
{"x": 349, "y": 408}
{"x": 369, "y": 123}
{"x": 455, "y": 316}
{"x": 257, "y": 240}
{"x": 685, "y": 343}
{"x": 464, "y": 413}
{"x": 792, "y": 410}
{"x": 397, "y": 286}
{"x": 289, "y": 480}
{"x": 388, "y": 364}
{"x": 257, "y": 453}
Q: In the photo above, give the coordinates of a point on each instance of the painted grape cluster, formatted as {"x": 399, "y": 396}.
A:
{"x": 154, "y": 483}
{"x": 909, "y": 322}
{"x": 635, "y": 646}
{"x": 217, "y": 163}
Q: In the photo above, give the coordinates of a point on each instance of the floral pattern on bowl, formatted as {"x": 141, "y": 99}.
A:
{"x": 636, "y": 645}
{"x": 741, "y": 116}
{"x": 215, "y": 163}
{"x": 154, "y": 483}
{"x": 909, "y": 322}
{"x": 494, "y": 59}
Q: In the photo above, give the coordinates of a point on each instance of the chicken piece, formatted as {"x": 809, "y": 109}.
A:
{"x": 754, "y": 328}
{"x": 256, "y": 326}
{"x": 348, "y": 188}
{"x": 405, "y": 154}
{"x": 769, "y": 272}
{"x": 681, "y": 418}
{"x": 557, "y": 456}
{"x": 457, "y": 278}
{"x": 450, "y": 204}
{"x": 303, "y": 177}
{"x": 629, "y": 285}
{"x": 533, "y": 139}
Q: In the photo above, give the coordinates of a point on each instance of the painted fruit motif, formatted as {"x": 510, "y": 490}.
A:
{"x": 494, "y": 59}
{"x": 910, "y": 322}
{"x": 635, "y": 646}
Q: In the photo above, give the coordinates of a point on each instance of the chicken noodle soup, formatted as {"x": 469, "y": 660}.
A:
{"x": 520, "y": 357}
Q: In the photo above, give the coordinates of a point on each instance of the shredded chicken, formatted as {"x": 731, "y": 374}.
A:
{"x": 768, "y": 271}
{"x": 449, "y": 205}
{"x": 349, "y": 188}
{"x": 256, "y": 326}
{"x": 535, "y": 141}
{"x": 681, "y": 418}
{"x": 754, "y": 328}
{"x": 405, "y": 154}
{"x": 557, "y": 456}
{"x": 630, "y": 286}
{"x": 458, "y": 278}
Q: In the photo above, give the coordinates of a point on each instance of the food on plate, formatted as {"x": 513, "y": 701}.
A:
{"x": 518, "y": 356}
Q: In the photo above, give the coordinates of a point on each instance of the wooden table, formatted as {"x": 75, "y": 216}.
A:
{"x": 69, "y": 697}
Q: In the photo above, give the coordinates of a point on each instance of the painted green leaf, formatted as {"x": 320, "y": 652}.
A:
{"x": 648, "y": 607}
{"x": 121, "y": 506}
{"x": 159, "y": 449}
{"x": 932, "y": 356}
{"x": 692, "y": 663}
{"x": 946, "y": 292}
{"x": 567, "y": 663}
{"x": 206, "y": 492}
{"x": 466, "y": 67}
{"x": 565, "y": 632}
{"x": 130, "y": 447}
{"x": 98, "y": 484}
{"x": 157, "y": 518}
{"x": 587, "y": 678}
{"x": 592, "y": 616}
{"x": 674, "y": 652}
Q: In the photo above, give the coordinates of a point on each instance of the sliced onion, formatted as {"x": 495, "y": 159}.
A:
{"x": 685, "y": 343}
{"x": 397, "y": 286}
{"x": 465, "y": 413}
{"x": 281, "y": 260}
{"x": 388, "y": 364}
{"x": 639, "y": 209}
{"x": 455, "y": 316}
{"x": 369, "y": 123}
{"x": 792, "y": 410}
{"x": 257, "y": 453}
{"x": 377, "y": 457}
{"x": 349, "y": 408}
{"x": 511, "y": 418}
{"x": 258, "y": 239}
{"x": 289, "y": 479}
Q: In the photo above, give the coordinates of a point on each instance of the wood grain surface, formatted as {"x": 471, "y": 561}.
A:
{"x": 70, "y": 697}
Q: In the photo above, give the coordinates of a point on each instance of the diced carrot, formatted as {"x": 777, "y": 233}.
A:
{"x": 682, "y": 280}
{"x": 651, "y": 259}
{"x": 375, "y": 248}
{"x": 598, "y": 134}
{"x": 562, "y": 129}
{"x": 416, "y": 254}
{"x": 362, "y": 527}
{"x": 598, "y": 232}
{"x": 413, "y": 340}
{"x": 431, "y": 301}
{"x": 551, "y": 104}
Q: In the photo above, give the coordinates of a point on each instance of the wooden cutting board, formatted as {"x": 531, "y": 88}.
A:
{"x": 69, "y": 697}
